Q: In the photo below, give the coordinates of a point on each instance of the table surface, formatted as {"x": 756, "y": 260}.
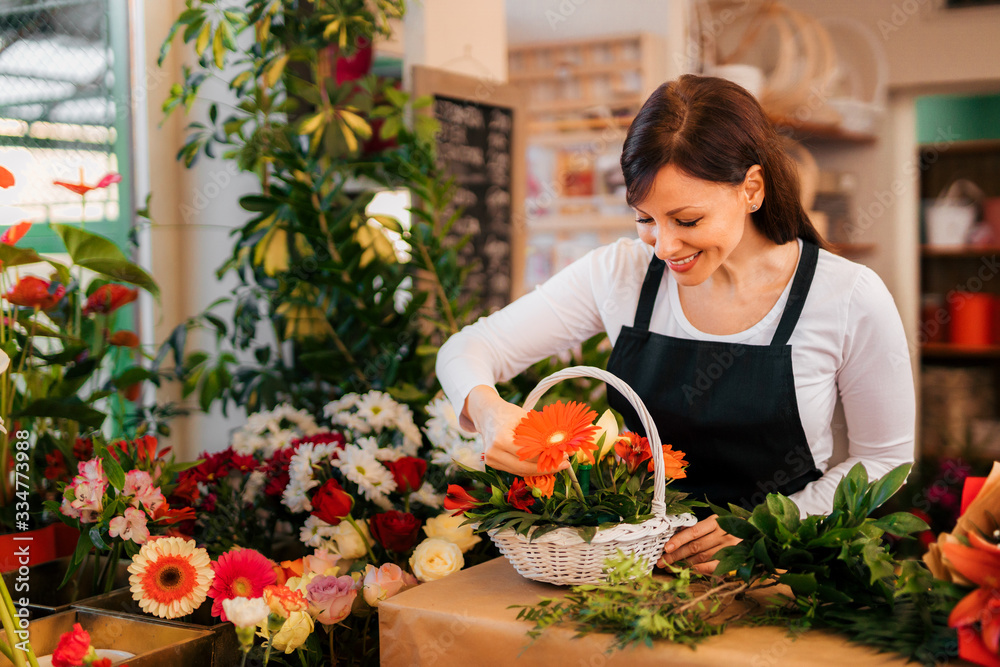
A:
{"x": 464, "y": 620}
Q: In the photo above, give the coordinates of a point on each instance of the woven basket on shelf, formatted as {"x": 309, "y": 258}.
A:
{"x": 562, "y": 556}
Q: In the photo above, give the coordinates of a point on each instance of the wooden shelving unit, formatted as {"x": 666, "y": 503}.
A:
{"x": 809, "y": 131}
{"x": 950, "y": 351}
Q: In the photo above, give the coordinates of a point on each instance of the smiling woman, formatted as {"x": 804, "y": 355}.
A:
{"x": 736, "y": 328}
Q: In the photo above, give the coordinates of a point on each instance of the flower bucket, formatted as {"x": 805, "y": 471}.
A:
{"x": 39, "y": 545}
{"x": 146, "y": 642}
{"x": 563, "y": 557}
{"x": 41, "y": 590}
{"x": 225, "y": 645}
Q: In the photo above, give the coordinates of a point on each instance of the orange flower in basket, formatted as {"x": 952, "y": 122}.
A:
{"x": 557, "y": 431}
{"x": 546, "y": 484}
{"x": 673, "y": 463}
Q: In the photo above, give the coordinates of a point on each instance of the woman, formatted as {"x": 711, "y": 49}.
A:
{"x": 735, "y": 327}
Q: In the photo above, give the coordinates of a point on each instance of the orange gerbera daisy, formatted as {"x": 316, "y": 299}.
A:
{"x": 170, "y": 577}
{"x": 557, "y": 431}
{"x": 546, "y": 484}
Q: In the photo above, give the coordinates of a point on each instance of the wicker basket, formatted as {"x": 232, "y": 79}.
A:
{"x": 562, "y": 556}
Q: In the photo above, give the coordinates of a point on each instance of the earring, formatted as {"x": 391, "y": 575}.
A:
{"x": 754, "y": 207}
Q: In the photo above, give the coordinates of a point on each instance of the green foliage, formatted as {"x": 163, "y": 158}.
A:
{"x": 354, "y": 302}
{"x": 635, "y": 607}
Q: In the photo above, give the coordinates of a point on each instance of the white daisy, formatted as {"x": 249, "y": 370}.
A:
{"x": 253, "y": 486}
{"x": 426, "y": 496}
{"x": 361, "y": 467}
{"x": 379, "y": 410}
{"x": 370, "y": 445}
{"x": 458, "y": 452}
{"x": 302, "y": 476}
{"x": 316, "y": 533}
{"x": 345, "y": 404}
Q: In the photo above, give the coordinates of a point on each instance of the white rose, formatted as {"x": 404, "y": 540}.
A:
{"x": 447, "y": 527}
{"x": 434, "y": 559}
{"x": 245, "y": 612}
{"x": 348, "y": 542}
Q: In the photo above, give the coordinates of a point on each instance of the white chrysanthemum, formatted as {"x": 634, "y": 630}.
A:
{"x": 345, "y": 404}
{"x": 451, "y": 442}
{"x": 316, "y": 533}
{"x": 253, "y": 486}
{"x": 426, "y": 496}
{"x": 270, "y": 430}
{"x": 379, "y": 410}
{"x": 246, "y": 443}
{"x": 302, "y": 475}
{"x": 370, "y": 445}
{"x": 458, "y": 452}
{"x": 361, "y": 467}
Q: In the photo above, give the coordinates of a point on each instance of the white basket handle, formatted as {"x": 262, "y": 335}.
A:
{"x": 659, "y": 475}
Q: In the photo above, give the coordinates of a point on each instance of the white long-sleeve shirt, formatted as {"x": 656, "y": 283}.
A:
{"x": 849, "y": 341}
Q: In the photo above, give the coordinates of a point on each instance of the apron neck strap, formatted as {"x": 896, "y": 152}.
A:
{"x": 793, "y": 307}
{"x": 647, "y": 297}
{"x": 797, "y": 296}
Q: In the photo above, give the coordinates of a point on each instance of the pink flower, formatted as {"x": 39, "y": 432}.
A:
{"x": 132, "y": 526}
{"x": 139, "y": 484}
{"x": 330, "y": 598}
{"x": 382, "y": 583}
{"x": 88, "y": 498}
{"x": 91, "y": 471}
{"x": 320, "y": 562}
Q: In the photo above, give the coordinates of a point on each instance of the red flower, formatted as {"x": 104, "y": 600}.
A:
{"x": 408, "y": 472}
{"x": 6, "y": 178}
{"x": 124, "y": 339}
{"x": 55, "y": 467}
{"x": 132, "y": 392}
{"x": 72, "y": 647}
{"x": 15, "y": 233}
{"x": 396, "y": 531}
{"x": 325, "y": 438}
{"x": 331, "y": 503}
{"x": 103, "y": 662}
{"x": 276, "y": 471}
{"x": 109, "y": 298}
{"x": 35, "y": 293}
{"x": 82, "y": 188}
{"x": 458, "y": 500}
{"x": 83, "y": 449}
{"x": 164, "y": 514}
{"x": 240, "y": 573}
{"x": 633, "y": 449}
{"x": 520, "y": 495}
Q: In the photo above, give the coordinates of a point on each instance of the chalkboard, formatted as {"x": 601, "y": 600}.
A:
{"x": 481, "y": 147}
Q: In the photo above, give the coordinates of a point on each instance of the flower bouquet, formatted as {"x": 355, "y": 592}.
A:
{"x": 562, "y": 527}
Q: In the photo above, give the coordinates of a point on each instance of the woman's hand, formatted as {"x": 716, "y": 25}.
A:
{"x": 697, "y": 545}
{"x": 495, "y": 419}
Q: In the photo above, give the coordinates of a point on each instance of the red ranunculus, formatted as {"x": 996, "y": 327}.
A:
{"x": 109, "y": 298}
{"x": 72, "y": 647}
{"x": 458, "y": 500}
{"x": 520, "y": 495}
{"x": 34, "y": 292}
{"x": 396, "y": 531}
{"x": 408, "y": 472}
{"x": 331, "y": 503}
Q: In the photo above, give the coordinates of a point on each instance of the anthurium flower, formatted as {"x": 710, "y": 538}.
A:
{"x": 82, "y": 188}
{"x": 555, "y": 432}
{"x": 34, "y": 292}
{"x": 15, "y": 233}
{"x": 109, "y": 298}
{"x": 6, "y": 178}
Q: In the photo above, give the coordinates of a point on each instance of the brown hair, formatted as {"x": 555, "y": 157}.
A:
{"x": 715, "y": 130}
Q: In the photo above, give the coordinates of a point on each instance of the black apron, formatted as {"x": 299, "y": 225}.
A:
{"x": 729, "y": 407}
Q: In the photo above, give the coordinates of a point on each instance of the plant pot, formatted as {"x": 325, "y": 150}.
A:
{"x": 225, "y": 645}
{"x": 40, "y": 585}
{"x": 33, "y": 546}
{"x": 151, "y": 644}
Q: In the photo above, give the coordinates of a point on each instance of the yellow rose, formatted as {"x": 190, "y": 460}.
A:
{"x": 447, "y": 527}
{"x": 294, "y": 632}
{"x": 436, "y": 558}
{"x": 349, "y": 543}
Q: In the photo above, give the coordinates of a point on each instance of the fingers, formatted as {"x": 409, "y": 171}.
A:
{"x": 684, "y": 537}
{"x": 697, "y": 546}
{"x": 706, "y": 568}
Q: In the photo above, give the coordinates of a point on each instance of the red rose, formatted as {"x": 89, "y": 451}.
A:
{"x": 458, "y": 500}
{"x": 34, "y": 292}
{"x": 396, "y": 531}
{"x": 331, "y": 503}
{"x": 520, "y": 495}
{"x": 73, "y": 645}
{"x": 109, "y": 298}
{"x": 408, "y": 473}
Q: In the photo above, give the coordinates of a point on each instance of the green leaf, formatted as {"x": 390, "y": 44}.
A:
{"x": 83, "y": 547}
{"x": 95, "y": 538}
{"x": 801, "y": 584}
{"x": 730, "y": 558}
{"x": 764, "y": 521}
{"x": 878, "y": 561}
{"x": 219, "y": 47}
{"x": 901, "y": 524}
{"x": 97, "y": 253}
{"x": 737, "y": 527}
{"x": 884, "y": 488}
{"x": 113, "y": 469}
{"x": 784, "y": 510}
{"x": 275, "y": 69}
{"x": 761, "y": 554}
{"x": 71, "y": 408}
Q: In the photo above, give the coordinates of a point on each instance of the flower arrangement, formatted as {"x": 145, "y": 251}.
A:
{"x": 593, "y": 477}
{"x": 74, "y": 361}
{"x": 118, "y": 498}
